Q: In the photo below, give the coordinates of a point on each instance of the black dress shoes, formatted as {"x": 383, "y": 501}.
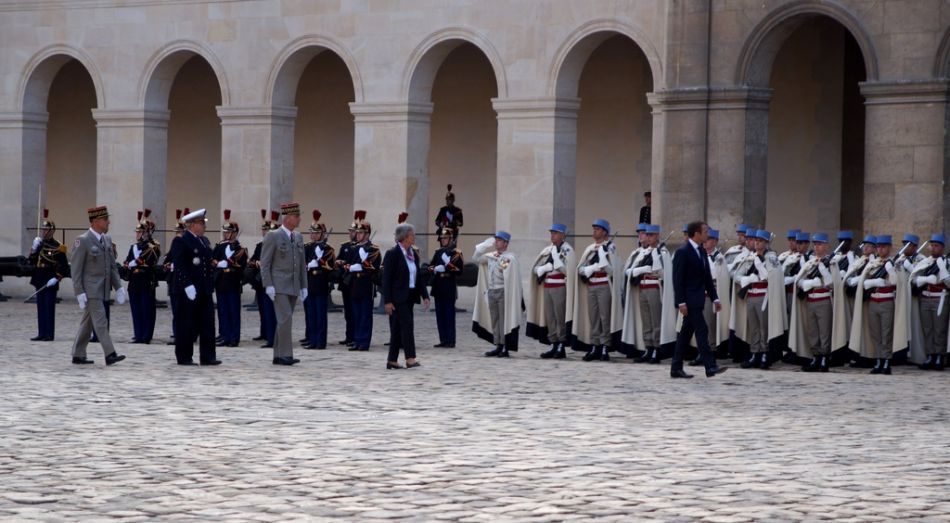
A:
{"x": 302, "y": 340}
{"x": 353, "y": 348}
{"x": 438, "y": 345}
{"x": 38, "y": 338}
{"x": 495, "y": 352}
{"x": 716, "y": 370}
{"x": 284, "y": 361}
{"x": 698, "y": 362}
{"x": 550, "y": 353}
{"x": 413, "y": 365}
{"x": 187, "y": 363}
{"x": 81, "y": 361}
{"x": 680, "y": 373}
{"x": 392, "y": 366}
{"x": 448, "y": 345}
{"x": 267, "y": 346}
{"x": 211, "y": 363}
{"x": 258, "y": 338}
{"x": 114, "y": 358}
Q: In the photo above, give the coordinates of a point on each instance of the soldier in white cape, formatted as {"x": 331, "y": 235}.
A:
{"x": 765, "y": 301}
{"x": 649, "y": 318}
{"x": 841, "y": 302}
{"x": 905, "y": 267}
{"x": 551, "y": 294}
{"x": 810, "y": 325}
{"x": 738, "y": 324}
{"x": 498, "y": 295}
{"x": 600, "y": 275}
{"x": 929, "y": 281}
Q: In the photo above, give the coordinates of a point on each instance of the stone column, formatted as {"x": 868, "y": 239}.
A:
{"x": 23, "y": 153}
{"x": 537, "y": 170}
{"x": 131, "y": 165}
{"x": 904, "y": 189}
{"x": 257, "y": 160}
{"x": 390, "y": 166}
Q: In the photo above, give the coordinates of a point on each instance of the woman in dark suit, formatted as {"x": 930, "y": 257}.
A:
{"x": 402, "y": 288}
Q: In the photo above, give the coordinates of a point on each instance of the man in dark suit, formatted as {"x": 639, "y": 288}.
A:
{"x": 692, "y": 283}
{"x": 194, "y": 278}
{"x": 402, "y": 288}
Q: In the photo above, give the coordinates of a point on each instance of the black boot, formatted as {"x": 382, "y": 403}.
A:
{"x": 603, "y": 353}
{"x": 877, "y": 366}
{"x": 886, "y": 368}
{"x": 643, "y": 358}
{"x": 938, "y": 362}
{"x": 811, "y": 367}
{"x": 823, "y": 364}
{"x": 764, "y": 362}
{"x": 504, "y": 352}
{"x": 655, "y": 356}
{"x": 561, "y": 353}
{"x": 928, "y": 364}
{"x": 752, "y": 362}
{"x": 592, "y": 354}
{"x": 495, "y": 352}
{"x": 551, "y": 353}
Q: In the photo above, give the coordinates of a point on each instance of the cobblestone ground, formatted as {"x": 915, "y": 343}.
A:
{"x": 462, "y": 438}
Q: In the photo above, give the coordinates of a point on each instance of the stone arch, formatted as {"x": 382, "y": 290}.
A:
{"x": 40, "y": 71}
{"x": 763, "y": 44}
{"x": 425, "y": 60}
{"x": 573, "y": 54}
{"x": 294, "y": 58}
{"x": 156, "y": 82}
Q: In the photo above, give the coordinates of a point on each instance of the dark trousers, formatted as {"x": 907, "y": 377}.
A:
{"x": 46, "y": 313}
{"x": 195, "y": 322}
{"x": 142, "y": 304}
{"x": 401, "y": 333}
{"x": 173, "y": 301}
{"x": 315, "y": 308}
{"x": 229, "y": 316}
{"x": 445, "y": 319}
{"x": 106, "y": 305}
{"x": 361, "y": 310}
{"x": 265, "y": 307}
{"x": 348, "y": 313}
{"x": 693, "y": 323}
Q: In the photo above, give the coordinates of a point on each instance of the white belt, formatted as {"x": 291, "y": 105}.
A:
{"x": 882, "y": 295}
{"x": 603, "y": 279}
{"x": 819, "y": 295}
{"x": 649, "y": 282}
{"x": 928, "y": 294}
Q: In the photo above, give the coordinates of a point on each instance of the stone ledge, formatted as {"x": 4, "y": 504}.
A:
{"x": 905, "y": 92}
{"x": 24, "y": 120}
{"x": 391, "y": 112}
{"x": 715, "y": 99}
{"x": 257, "y": 115}
{"x": 528, "y": 108}
{"x": 131, "y": 118}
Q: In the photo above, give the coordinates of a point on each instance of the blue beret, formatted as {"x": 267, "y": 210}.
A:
{"x": 642, "y": 227}
{"x": 819, "y": 237}
{"x": 884, "y": 239}
{"x": 742, "y": 228}
{"x": 713, "y": 233}
{"x": 793, "y": 233}
{"x": 764, "y": 235}
{"x": 938, "y": 237}
{"x": 653, "y": 229}
{"x": 802, "y": 237}
{"x": 912, "y": 238}
{"x": 502, "y": 235}
{"x": 559, "y": 227}
{"x": 870, "y": 238}
{"x": 602, "y": 223}
{"x": 845, "y": 235}
{"x": 750, "y": 232}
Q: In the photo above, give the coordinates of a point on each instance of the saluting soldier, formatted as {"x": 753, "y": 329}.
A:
{"x": 320, "y": 258}
{"x": 95, "y": 275}
{"x": 445, "y": 266}
{"x": 930, "y": 279}
{"x": 284, "y": 275}
{"x": 498, "y": 295}
{"x": 230, "y": 260}
{"x": 174, "y": 295}
{"x": 361, "y": 267}
{"x": 449, "y": 215}
{"x": 345, "y": 279}
{"x": 194, "y": 278}
{"x": 50, "y": 266}
{"x": 140, "y": 265}
{"x": 552, "y": 294}
{"x": 597, "y": 311}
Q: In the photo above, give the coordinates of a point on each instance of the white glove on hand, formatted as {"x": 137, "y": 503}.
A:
{"x": 313, "y": 264}
{"x": 228, "y": 251}
{"x": 81, "y": 298}
{"x": 908, "y": 266}
{"x": 439, "y": 268}
{"x": 925, "y": 280}
{"x": 121, "y": 296}
{"x": 223, "y": 264}
{"x": 789, "y": 280}
{"x": 806, "y": 285}
{"x": 824, "y": 271}
{"x": 303, "y": 294}
{"x": 446, "y": 258}
{"x": 588, "y": 270}
{"x": 485, "y": 245}
{"x": 318, "y": 252}
{"x": 54, "y": 281}
{"x": 874, "y": 283}
{"x": 271, "y": 292}
{"x": 558, "y": 263}
{"x": 942, "y": 264}
{"x": 363, "y": 254}
{"x": 640, "y": 271}
{"x": 132, "y": 264}
{"x": 541, "y": 270}
{"x": 745, "y": 281}
{"x": 356, "y": 268}
{"x": 629, "y": 272}
{"x": 37, "y": 242}
{"x": 853, "y": 281}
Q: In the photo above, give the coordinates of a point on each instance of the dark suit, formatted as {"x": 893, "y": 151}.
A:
{"x": 395, "y": 290}
{"x": 692, "y": 282}
{"x": 195, "y": 319}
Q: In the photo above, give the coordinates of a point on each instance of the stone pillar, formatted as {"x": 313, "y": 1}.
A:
{"x": 131, "y": 165}
{"x": 390, "y": 166}
{"x": 537, "y": 170}
{"x": 257, "y": 161}
{"x": 904, "y": 189}
{"x": 23, "y": 153}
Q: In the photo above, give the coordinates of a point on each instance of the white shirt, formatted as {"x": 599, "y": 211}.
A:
{"x": 96, "y": 234}
{"x": 412, "y": 267}
{"x": 695, "y": 247}
{"x": 290, "y": 234}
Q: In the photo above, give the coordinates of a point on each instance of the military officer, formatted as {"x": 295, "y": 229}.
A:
{"x": 284, "y": 275}
{"x": 498, "y": 295}
{"x": 194, "y": 278}
{"x": 601, "y": 275}
{"x": 50, "y": 265}
{"x": 450, "y": 215}
{"x": 756, "y": 281}
{"x": 174, "y": 297}
{"x": 95, "y": 275}
{"x": 321, "y": 260}
{"x": 140, "y": 265}
{"x": 230, "y": 260}
{"x": 361, "y": 267}
{"x": 929, "y": 280}
{"x": 345, "y": 279}
{"x": 445, "y": 266}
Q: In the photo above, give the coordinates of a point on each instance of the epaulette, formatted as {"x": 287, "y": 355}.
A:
{"x": 61, "y": 248}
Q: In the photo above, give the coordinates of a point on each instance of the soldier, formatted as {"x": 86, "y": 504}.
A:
{"x": 50, "y": 265}
{"x": 645, "y": 210}
{"x": 361, "y": 267}
{"x": 345, "y": 278}
{"x": 320, "y": 259}
{"x": 450, "y": 215}
{"x": 498, "y": 295}
{"x": 230, "y": 261}
{"x": 445, "y": 267}
{"x": 597, "y": 311}
{"x": 930, "y": 279}
{"x": 644, "y": 276}
{"x": 734, "y": 251}
{"x": 174, "y": 297}
{"x": 95, "y": 275}
{"x": 875, "y": 307}
{"x": 763, "y": 280}
{"x": 265, "y": 307}
{"x": 552, "y": 293}
{"x": 284, "y": 276}
{"x": 812, "y": 310}
{"x": 844, "y": 256}
{"x": 194, "y": 278}
{"x": 140, "y": 265}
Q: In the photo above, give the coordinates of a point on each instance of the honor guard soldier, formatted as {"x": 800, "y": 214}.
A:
{"x": 194, "y": 280}
{"x": 265, "y": 307}
{"x": 95, "y": 274}
{"x": 597, "y": 311}
{"x": 360, "y": 268}
{"x": 445, "y": 266}
{"x": 321, "y": 260}
{"x": 812, "y": 311}
{"x": 498, "y": 295}
{"x": 284, "y": 275}
{"x": 874, "y": 308}
{"x": 909, "y": 250}
{"x": 449, "y": 215}
{"x": 645, "y": 210}
{"x": 140, "y": 267}
{"x": 174, "y": 296}
{"x": 732, "y": 252}
{"x": 844, "y": 256}
{"x": 643, "y": 273}
{"x": 50, "y": 265}
{"x": 929, "y": 281}
{"x": 344, "y": 284}
{"x": 230, "y": 260}
{"x": 763, "y": 281}
{"x": 552, "y": 294}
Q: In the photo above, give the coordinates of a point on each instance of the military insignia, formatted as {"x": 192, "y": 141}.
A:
{"x": 196, "y": 261}
{"x": 76, "y": 244}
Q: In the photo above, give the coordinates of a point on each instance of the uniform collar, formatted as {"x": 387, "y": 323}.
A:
{"x": 96, "y": 234}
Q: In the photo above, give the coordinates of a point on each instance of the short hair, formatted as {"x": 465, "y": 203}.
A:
{"x": 403, "y": 230}
{"x": 647, "y": 194}
{"x": 693, "y": 227}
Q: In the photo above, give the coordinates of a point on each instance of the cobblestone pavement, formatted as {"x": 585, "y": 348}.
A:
{"x": 462, "y": 438}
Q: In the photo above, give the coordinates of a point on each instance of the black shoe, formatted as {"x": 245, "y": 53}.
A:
{"x": 302, "y": 340}
{"x": 295, "y": 360}
{"x": 655, "y": 356}
{"x": 393, "y": 366}
{"x": 698, "y": 362}
{"x": 503, "y": 353}
{"x": 258, "y": 338}
{"x": 170, "y": 342}
{"x": 232, "y": 344}
{"x": 267, "y": 346}
{"x": 811, "y": 367}
{"x": 550, "y": 353}
{"x": 927, "y": 365}
{"x": 716, "y": 370}
{"x": 495, "y": 352}
{"x": 938, "y": 363}
{"x": 82, "y": 361}
{"x": 413, "y": 365}
{"x": 764, "y": 363}
{"x": 345, "y": 342}
{"x": 643, "y": 358}
{"x": 877, "y": 367}
{"x": 604, "y": 356}
{"x": 188, "y": 363}
{"x": 680, "y": 374}
{"x": 211, "y": 363}
{"x": 886, "y": 369}
{"x": 114, "y": 358}
{"x": 592, "y": 354}
{"x": 353, "y": 348}
{"x": 823, "y": 364}
{"x": 438, "y": 345}
{"x": 752, "y": 362}
{"x": 38, "y": 338}
{"x": 448, "y": 345}
{"x": 219, "y": 339}
{"x": 561, "y": 353}
{"x": 284, "y": 361}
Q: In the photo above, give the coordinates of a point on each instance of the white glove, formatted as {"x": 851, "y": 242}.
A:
{"x": 873, "y": 283}
{"x": 356, "y": 268}
{"x": 228, "y": 251}
{"x": 541, "y": 270}
{"x": 37, "y": 242}
{"x": 54, "y": 281}
{"x": 588, "y": 270}
{"x": 439, "y": 268}
{"x": 303, "y": 294}
{"x": 852, "y": 281}
{"x": 789, "y": 280}
{"x": 271, "y": 292}
{"x": 558, "y": 263}
{"x": 223, "y": 264}
{"x": 629, "y": 272}
{"x": 121, "y": 296}
{"x": 640, "y": 271}
{"x": 363, "y": 254}
{"x": 485, "y": 245}
{"x": 942, "y": 264}
{"x": 908, "y": 266}
{"x": 81, "y": 298}
{"x": 446, "y": 258}
{"x": 317, "y": 252}
{"x": 132, "y": 264}
{"x": 745, "y": 281}
{"x": 825, "y": 273}
{"x": 313, "y": 264}
{"x": 924, "y": 280}
{"x": 191, "y": 292}
{"x": 806, "y": 285}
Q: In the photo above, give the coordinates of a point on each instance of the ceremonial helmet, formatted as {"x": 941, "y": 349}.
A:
{"x": 274, "y": 220}
{"x": 265, "y": 223}
{"x": 144, "y": 223}
{"x": 316, "y": 226}
{"x": 449, "y": 195}
{"x": 179, "y": 225}
{"x": 46, "y": 223}
{"x": 227, "y": 225}
{"x": 403, "y": 216}
{"x": 446, "y": 232}
{"x": 359, "y": 222}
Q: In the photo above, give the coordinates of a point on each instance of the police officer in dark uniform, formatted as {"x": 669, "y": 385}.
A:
{"x": 50, "y": 265}
{"x": 174, "y": 297}
{"x": 449, "y": 215}
{"x": 265, "y": 307}
{"x": 320, "y": 259}
{"x": 344, "y": 285}
{"x": 230, "y": 260}
{"x": 194, "y": 279}
{"x": 139, "y": 269}
{"x": 445, "y": 266}
{"x": 361, "y": 267}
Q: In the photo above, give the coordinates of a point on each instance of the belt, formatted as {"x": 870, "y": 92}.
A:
{"x": 759, "y": 288}
{"x": 934, "y": 295}
{"x": 820, "y": 294}
{"x": 553, "y": 285}
{"x": 934, "y": 291}
{"x": 599, "y": 280}
{"x": 554, "y": 280}
{"x": 649, "y": 284}
{"x": 883, "y": 294}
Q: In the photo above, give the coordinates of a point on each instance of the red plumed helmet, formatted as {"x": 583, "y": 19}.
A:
{"x": 187, "y": 210}
{"x": 402, "y": 217}
{"x": 227, "y": 214}
{"x": 274, "y": 215}
{"x": 177, "y": 214}
{"x": 316, "y": 215}
{"x": 263, "y": 214}
{"x": 147, "y": 213}
{"x": 45, "y": 213}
